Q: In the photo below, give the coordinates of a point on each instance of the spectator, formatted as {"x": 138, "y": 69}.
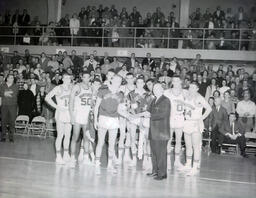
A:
{"x": 67, "y": 62}
{"x": 211, "y": 88}
{"x": 227, "y": 103}
{"x": 74, "y": 25}
{"x": 20, "y": 81}
{"x": 123, "y": 71}
{"x": 135, "y": 16}
{"x": 217, "y": 118}
{"x": 246, "y": 110}
{"x": 232, "y": 132}
{"x": 26, "y": 101}
{"x": 223, "y": 88}
{"x": 57, "y": 79}
{"x": 53, "y": 64}
{"x": 148, "y": 60}
{"x": 116, "y": 64}
{"x": 8, "y": 103}
{"x": 91, "y": 63}
{"x": 219, "y": 14}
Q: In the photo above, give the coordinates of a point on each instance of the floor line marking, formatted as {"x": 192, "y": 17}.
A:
{"x": 201, "y": 178}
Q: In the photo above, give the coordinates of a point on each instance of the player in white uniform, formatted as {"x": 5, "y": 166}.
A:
{"x": 62, "y": 116}
{"x": 126, "y": 89}
{"x": 80, "y": 107}
{"x": 176, "y": 97}
{"x": 194, "y": 126}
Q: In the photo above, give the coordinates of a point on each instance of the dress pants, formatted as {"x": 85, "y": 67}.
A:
{"x": 159, "y": 156}
{"x": 215, "y": 134}
{"x": 8, "y": 114}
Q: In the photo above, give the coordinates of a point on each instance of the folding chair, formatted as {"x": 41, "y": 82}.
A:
{"x": 37, "y": 127}
{"x": 229, "y": 149}
{"x": 250, "y": 148}
{"x": 21, "y": 125}
{"x": 51, "y": 130}
{"x": 206, "y": 137}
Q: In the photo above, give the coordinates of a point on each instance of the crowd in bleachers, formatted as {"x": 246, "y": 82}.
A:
{"x": 119, "y": 28}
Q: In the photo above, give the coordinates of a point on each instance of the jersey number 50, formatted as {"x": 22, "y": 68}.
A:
{"x": 86, "y": 101}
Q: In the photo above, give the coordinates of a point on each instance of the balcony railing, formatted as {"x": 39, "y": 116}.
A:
{"x": 135, "y": 37}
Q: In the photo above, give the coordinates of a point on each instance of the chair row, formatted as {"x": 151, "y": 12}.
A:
{"x": 38, "y": 127}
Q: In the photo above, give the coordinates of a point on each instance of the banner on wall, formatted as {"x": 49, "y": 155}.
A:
{"x": 5, "y": 49}
{"x": 60, "y": 50}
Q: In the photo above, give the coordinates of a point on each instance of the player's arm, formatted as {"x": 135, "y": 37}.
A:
{"x": 96, "y": 111}
{"x": 207, "y": 107}
{"x": 72, "y": 100}
{"x": 50, "y": 95}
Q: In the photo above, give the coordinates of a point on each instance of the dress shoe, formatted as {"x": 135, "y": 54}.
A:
{"x": 158, "y": 178}
{"x": 3, "y": 140}
{"x": 151, "y": 174}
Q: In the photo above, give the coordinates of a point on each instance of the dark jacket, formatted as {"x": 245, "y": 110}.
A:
{"x": 227, "y": 128}
{"x": 218, "y": 118}
{"x": 160, "y": 119}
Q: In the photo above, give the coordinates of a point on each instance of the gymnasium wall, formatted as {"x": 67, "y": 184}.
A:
{"x": 234, "y": 4}
{"x": 35, "y": 7}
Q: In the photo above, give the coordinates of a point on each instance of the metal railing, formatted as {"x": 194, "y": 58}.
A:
{"x": 148, "y": 37}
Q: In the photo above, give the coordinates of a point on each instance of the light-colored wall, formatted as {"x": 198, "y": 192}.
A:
{"x": 212, "y": 4}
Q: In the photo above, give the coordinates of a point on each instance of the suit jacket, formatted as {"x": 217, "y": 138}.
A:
{"x": 151, "y": 63}
{"x": 160, "y": 119}
{"x": 227, "y": 128}
{"x": 218, "y": 118}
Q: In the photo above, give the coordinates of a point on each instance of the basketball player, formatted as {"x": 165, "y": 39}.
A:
{"x": 96, "y": 84}
{"x": 194, "y": 126}
{"x": 109, "y": 105}
{"x": 80, "y": 106}
{"x": 62, "y": 116}
{"x": 137, "y": 106}
{"x": 176, "y": 97}
{"x": 126, "y": 89}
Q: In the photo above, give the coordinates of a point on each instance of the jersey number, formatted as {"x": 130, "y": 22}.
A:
{"x": 188, "y": 113}
{"x": 85, "y": 101}
{"x": 179, "y": 107}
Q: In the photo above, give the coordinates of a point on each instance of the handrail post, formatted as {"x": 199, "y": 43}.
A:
{"x": 240, "y": 37}
{"x": 15, "y": 37}
{"x": 102, "y": 37}
{"x": 203, "y": 37}
{"x": 135, "y": 36}
{"x": 168, "y": 37}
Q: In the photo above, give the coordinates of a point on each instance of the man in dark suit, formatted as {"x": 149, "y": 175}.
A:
{"x": 149, "y": 61}
{"x": 159, "y": 132}
{"x": 232, "y": 132}
{"x": 131, "y": 62}
{"x": 217, "y": 118}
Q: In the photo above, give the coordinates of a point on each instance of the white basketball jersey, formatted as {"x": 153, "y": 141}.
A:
{"x": 193, "y": 110}
{"x": 62, "y": 98}
{"x": 83, "y": 100}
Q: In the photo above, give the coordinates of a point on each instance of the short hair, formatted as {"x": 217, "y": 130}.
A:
{"x": 194, "y": 83}
{"x": 129, "y": 74}
{"x": 111, "y": 70}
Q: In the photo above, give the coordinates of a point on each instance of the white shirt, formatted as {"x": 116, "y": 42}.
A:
{"x": 246, "y": 107}
{"x": 74, "y": 25}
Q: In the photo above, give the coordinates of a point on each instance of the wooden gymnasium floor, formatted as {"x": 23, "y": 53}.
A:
{"x": 27, "y": 169}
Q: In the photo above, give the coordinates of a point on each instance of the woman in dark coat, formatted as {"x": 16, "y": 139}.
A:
{"x": 26, "y": 102}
